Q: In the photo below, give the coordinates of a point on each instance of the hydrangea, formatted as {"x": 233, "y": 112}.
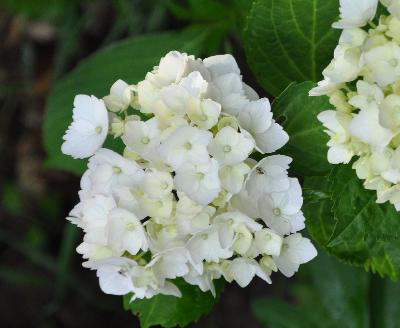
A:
{"x": 89, "y": 128}
{"x": 363, "y": 84}
{"x": 185, "y": 199}
{"x": 355, "y": 13}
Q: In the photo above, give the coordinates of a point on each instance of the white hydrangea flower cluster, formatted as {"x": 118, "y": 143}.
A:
{"x": 185, "y": 199}
{"x": 363, "y": 84}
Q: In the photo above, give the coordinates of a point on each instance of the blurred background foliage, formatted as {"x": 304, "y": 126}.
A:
{"x": 41, "y": 280}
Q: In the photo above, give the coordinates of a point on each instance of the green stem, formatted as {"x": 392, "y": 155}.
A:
{"x": 136, "y": 257}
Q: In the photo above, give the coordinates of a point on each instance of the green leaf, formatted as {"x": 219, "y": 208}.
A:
{"x": 365, "y": 233}
{"x": 332, "y": 295}
{"x": 318, "y": 209}
{"x": 390, "y": 305}
{"x": 290, "y": 40}
{"x": 170, "y": 311}
{"x": 208, "y": 13}
{"x": 342, "y": 291}
{"x": 275, "y": 313}
{"x": 128, "y": 60}
{"x": 297, "y": 112}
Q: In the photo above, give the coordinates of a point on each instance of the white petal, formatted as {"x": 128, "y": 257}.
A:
{"x": 89, "y": 128}
{"x": 221, "y": 65}
{"x": 272, "y": 139}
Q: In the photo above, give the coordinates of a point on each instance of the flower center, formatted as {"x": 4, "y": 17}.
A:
{"x": 203, "y": 118}
{"x": 187, "y": 146}
{"x": 204, "y": 236}
{"x": 200, "y": 175}
{"x": 130, "y": 227}
{"x": 99, "y": 129}
{"x": 276, "y": 211}
{"x": 116, "y": 170}
{"x": 164, "y": 185}
{"x": 267, "y": 237}
{"x": 145, "y": 140}
{"x": 227, "y": 149}
{"x": 285, "y": 247}
{"x": 388, "y": 154}
{"x": 394, "y": 62}
{"x": 370, "y": 99}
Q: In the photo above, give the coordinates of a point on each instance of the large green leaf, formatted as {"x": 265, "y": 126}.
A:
{"x": 208, "y": 13}
{"x": 332, "y": 295}
{"x": 276, "y": 313}
{"x": 365, "y": 233}
{"x": 170, "y": 311}
{"x": 342, "y": 291}
{"x": 318, "y": 209}
{"x": 388, "y": 305}
{"x": 128, "y": 60}
{"x": 290, "y": 40}
{"x": 297, "y": 112}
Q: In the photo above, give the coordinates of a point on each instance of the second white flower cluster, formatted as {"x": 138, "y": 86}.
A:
{"x": 185, "y": 200}
{"x": 363, "y": 83}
